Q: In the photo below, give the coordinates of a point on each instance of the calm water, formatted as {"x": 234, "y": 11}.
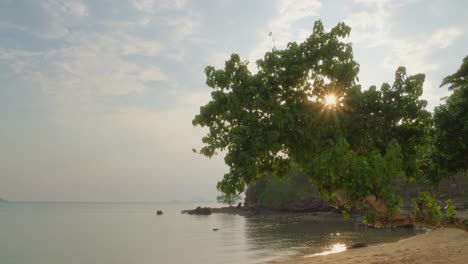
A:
{"x": 111, "y": 233}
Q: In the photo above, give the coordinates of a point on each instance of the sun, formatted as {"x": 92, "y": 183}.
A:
{"x": 330, "y": 100}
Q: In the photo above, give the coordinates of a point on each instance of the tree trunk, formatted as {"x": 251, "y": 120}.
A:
{"x": 401, "y": 218}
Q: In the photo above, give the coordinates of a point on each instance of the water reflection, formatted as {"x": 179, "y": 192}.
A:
{"x": 336, "y": 248}
{"x": 314, "y": 235}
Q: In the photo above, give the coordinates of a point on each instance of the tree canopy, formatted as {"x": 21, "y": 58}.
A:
{"x": 305, "y": 108}
{"x": 451, "y": 125}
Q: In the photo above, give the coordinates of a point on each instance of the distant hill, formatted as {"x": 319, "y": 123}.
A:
{"x": 2, "y": 200}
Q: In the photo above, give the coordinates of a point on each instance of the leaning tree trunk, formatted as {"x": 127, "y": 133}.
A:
{"x": 401, "y": 218}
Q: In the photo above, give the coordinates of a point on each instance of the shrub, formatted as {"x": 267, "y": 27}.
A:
{"x": 450, "y": 211}
{"x": 427, "y": 209}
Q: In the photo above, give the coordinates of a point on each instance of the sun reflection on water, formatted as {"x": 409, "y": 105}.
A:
{"x": 334, "y": 249}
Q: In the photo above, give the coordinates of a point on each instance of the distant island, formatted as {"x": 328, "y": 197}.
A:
{"x": 2, "y": 200}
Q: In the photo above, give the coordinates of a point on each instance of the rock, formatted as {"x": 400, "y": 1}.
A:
{"x": 357, "y": 245}
{"x": 198, "y": 211}
{"x": 215, "y": 229}
{"x": 239, "y": 205}
{"x": 159, "y": 212}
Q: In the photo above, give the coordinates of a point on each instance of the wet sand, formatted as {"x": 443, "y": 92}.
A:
{"x": 443, "y": 245}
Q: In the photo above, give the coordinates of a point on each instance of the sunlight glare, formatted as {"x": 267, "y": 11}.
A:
{"x": 330, "y": 100}
{"x": 334, "y": 249}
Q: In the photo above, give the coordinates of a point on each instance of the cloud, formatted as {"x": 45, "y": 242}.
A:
{"x": 144, "y": 5}
{"x": 371, "y": 2}
{"x": 70, "y": 7}
{"x": 151, "y": 5}
{"x": 49, "y": 19}
{"x": 416, "y": 52}
{"x": 91, "y": 65}
{"x": 218, "y": 58}
{"x": 443, "y": 38}
{"x": 152, "y": 8}
{"x": 282, "y": 26}
{"x": 182, "y": 25}
{"x": 116, "y": 42}
{"x": 374, "y": 30}
{"x": 175, "y": 23}
{"x": 196, "y": 99}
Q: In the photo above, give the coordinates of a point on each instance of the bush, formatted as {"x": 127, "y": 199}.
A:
{"x": 450, "y": 211}
{"x": 427, "y": 209}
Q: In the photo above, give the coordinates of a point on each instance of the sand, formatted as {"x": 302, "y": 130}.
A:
{"x": 443, "y": 245}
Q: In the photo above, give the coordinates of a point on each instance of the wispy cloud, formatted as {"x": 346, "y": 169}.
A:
{"x": 90, "y": 65}
{"x": 183, "y": 25}
{"x": 151, "y": 5}
{"x": 416, "y": 52}
{"x": 282, "y": 25}
{"x": 50, "y": 18}
{"x": 375, "y": 29}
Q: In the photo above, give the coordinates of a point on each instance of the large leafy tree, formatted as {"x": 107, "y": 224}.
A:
{"x": 304, "y": 108}
{"x": 451, "y": 125}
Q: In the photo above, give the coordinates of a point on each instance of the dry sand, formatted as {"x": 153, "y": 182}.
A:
{"x": 443, "y": 245}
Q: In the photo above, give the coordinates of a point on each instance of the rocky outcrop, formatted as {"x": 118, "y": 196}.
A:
{"x": 198, "y": 211}
{"x": 159, "y": 212}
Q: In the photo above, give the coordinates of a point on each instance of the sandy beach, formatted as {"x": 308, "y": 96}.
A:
{"x": 443, "y": 245}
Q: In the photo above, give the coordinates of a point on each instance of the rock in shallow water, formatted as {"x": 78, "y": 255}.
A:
{"x": 198, "y": 211}
{"x": 357, "y": 245}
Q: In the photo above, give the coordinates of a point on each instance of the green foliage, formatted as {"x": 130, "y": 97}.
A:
{"x": 281, "y": 193}
{"x": 450, "y": 211}
{"x": 268, "y": 120}
{"x": 228, "y": 199}
{"x": 369, "y": 218}
{"x": 427, "y": 209}
{"x": 451, "y": 126}
{"x": 459, "y": 79}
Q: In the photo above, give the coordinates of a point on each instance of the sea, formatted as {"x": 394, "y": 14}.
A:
{"x": 132, "y": 233}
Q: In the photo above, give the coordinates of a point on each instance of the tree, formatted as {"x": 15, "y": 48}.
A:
{"x": 451, "y": 125}
{"x": 228, "y": 199}
{"x": 304, "y": 107}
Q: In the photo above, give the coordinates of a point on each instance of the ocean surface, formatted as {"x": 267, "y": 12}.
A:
{"x": 132, "y": 233}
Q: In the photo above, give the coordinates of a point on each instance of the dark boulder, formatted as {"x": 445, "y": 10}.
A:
{"x": 357, "y": 245}
{"x": 198, "y": 211}
{"x": 159, "y": 212}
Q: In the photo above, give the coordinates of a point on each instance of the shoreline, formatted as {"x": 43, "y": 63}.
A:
{"x": 441, "y": 245}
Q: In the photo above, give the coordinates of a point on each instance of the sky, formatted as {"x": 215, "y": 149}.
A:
{"x": 97, "y": 96}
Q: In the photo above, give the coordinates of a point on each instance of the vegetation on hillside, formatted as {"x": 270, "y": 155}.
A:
{"x": 293, "y": 191}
